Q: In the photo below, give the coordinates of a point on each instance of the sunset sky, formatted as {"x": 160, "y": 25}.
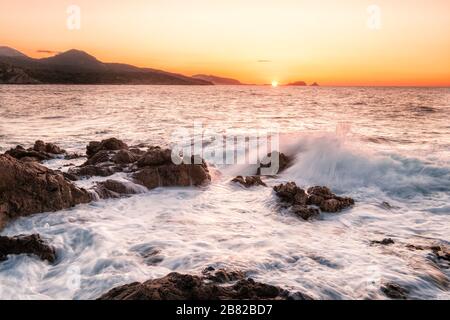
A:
{"x": 329, "y": 42}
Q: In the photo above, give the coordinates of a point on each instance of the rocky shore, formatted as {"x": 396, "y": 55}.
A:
{"x": 28, "y": 187}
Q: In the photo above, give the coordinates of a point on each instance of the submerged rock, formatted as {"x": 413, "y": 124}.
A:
{"x": 304, "y": 203}
{"x": 265, "y": 167}
{"x": 394, "y": 291}
{"x": 28, "y": 187}
{"x": 384, "y": 242}
{"x": 41, "y": 146}
{"x": 249, "y": 181}
{"x": 220, "y": 285}
{"x": 31, "y": 244}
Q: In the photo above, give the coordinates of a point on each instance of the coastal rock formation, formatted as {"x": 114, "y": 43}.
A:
{"x": 384, "y": 242}
{"x": 301, "y": 201}
{"x": 249, "y": 181}
{"x": 266, "y": 163}
{"x": 113, "y": 189}
{"x": 328, "y": 201}
{"x": 394, "y": 291}
{"x": 220, "y": 285}
{"x": 31, "y": 244}
{"x": 28, "y": 187}
{"x": 152, "y": 168}
{"x": 41, "y": 151}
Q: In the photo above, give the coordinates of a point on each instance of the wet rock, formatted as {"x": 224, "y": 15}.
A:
{"x": 113, "y": 189}
{"x": 305, "y": 212}
{"x": 31, "y": 244}
{"x": 109, "y": 144}
{"x": 28, "y": 187}
{"x": 125, "y": 157}
{"x": 394, "y": 291}
{"x": 441, "y": 252}
{"x": 384, "y": 242}
{"x": 289, "y": 192}
{"x": 156, "y": 170}
{"x": 265, "y": 167}
{"x": 28, "y": 155}
{"x": 328, "y": 201}
{"x": 176, "y": 286}
{"x": 301, "y": 201}
{"x": 155, "y": 156}
{"x": 250, "y": 181}
{"x": 222, "y": 275}
{"x": 92, "y": 170}
{"x": 41, "y": 146}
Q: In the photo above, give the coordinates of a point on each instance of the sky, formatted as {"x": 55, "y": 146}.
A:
{"x": 340, "y": 42}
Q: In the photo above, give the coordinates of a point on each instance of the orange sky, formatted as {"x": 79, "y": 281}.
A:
{"x": 254, "y": 41}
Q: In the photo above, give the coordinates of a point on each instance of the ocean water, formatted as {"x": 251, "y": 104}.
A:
{"x": 377, "y": 145}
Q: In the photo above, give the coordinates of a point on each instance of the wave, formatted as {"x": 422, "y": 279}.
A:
{"x": 347, "y": 164}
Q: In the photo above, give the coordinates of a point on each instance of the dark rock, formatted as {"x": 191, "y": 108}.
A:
{"x": 177, "y": 286}
{"x": 31, "y": 244}
{"x": 125, "y": 157}
{"x": 394, "y": 291}
{"x": 109, "y": 144}
{"x": 27, "y": 188}
{"x": 327, "y": 201}
{"x": 265, "y": 167}
{"x": 20, "y": 153}
{"x": 112, "y": 189}
{"x": 441, "y": 252}
{"x": 222, "y": 275}
{"x": 93, "y": 170}
{"x": 155, "y": 156}
{"x": 41, "y": 146}
{"x": 305, "y": 212}
{"x": 300, "y": 200}
{"x": 289, "y": 192}
{"x": 384, "y": 242}
{"x": 250, "y": 181}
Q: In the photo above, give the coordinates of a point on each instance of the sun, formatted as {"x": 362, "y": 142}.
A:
{"x": 274, "y": 83}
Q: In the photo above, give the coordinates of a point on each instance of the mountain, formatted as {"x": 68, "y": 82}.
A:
{"x": 315, "y": 84}
{"x": 10, "y": 52}
{"x": 217, "y": 80}
{"x": 78, "y": 67}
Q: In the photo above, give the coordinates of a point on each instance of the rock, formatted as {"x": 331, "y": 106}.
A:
{"x": 41, "y": 146}
{"x": 31, "y": 244}
{"x": 327, "y": 201}
{"x": 222, "y": 275}
{"x": 266, "y": 164}
{"x": 441, "y": 252}
{"x": 92, "y": 170}
{"x": 125, "y": 157}
{"x": 384, "y": 242}
{"x": 157, "y": 170}
{"x": 183, "y": 175}
{"x": 305, "y": 212}
{"x": 300, "y": 201}
{"x": 28, "y": 187}
{"x": 394, "y": 291}
{"x": 176, "y": 286}
{"x": 113, "y": 189}
{"x": 289, "y": 192}
{"x": 250, "y": 181}
{"x": 155, "y": 156}
{"x": 20, "y": 153}
{"x": 109, "y": 144}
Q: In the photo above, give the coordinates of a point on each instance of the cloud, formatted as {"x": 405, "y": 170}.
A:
{"x": 264, "y": 61}
{"x": 47, "y": 51}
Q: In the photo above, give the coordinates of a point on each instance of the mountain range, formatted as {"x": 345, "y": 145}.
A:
{"x": 78, "y": 67}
